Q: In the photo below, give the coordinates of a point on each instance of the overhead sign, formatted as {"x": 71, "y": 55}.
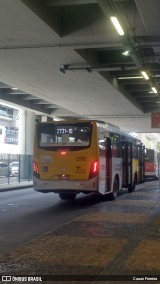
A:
{"x": 155, "y": 120}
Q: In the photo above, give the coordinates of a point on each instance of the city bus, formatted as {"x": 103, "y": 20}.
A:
{"x": 84, "y": 156}
{"x": 151, "y": 164}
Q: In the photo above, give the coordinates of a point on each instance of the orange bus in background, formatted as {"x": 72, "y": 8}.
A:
{"x": 151, "y": 164}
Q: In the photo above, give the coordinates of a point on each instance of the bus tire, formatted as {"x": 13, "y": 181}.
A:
{"x": 114, "y": 193}
{"x": 67, "y": 196}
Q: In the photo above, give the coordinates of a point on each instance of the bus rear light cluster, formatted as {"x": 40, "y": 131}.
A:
{"x": 35, "y": 169}
{"x": 94, "y": 169}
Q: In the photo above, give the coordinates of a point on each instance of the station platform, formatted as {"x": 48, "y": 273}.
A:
{"x": 118, "y": 242}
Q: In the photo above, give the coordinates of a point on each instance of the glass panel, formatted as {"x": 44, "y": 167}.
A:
{"x": 51, "y": 135}
{"x": 15, "y": 168}
{"x": 149, "y": 156}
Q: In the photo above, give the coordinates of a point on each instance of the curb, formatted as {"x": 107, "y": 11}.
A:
{"x": 10, "y": 187}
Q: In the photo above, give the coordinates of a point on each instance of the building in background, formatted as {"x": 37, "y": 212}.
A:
{"x": 9, "y": 125}
{"x": 16, "y": 130}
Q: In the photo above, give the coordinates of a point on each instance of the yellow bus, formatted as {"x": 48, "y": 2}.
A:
{"x": 84, "y": 156}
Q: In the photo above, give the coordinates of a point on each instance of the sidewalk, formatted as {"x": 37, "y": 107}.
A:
{"x": 117, "y": 241}
{"x": 16, "y": 185}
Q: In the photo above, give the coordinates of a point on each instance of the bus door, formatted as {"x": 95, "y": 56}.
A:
{"x": 108, "y": 164}
{"x": 126, "y": 163}
{"x": 143, "y": 163}
{"x": 105, "y": 165}
{"x": 141, "y": 154}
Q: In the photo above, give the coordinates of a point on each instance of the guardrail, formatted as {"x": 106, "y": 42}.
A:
{"x": 15, "y": 168}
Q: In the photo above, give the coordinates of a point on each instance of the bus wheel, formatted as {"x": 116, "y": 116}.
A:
{"x": 67, "y": 196}
{"x": 114, "y": 193}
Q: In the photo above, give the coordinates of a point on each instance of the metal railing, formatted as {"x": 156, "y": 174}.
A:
{"x": 15, "y": 168}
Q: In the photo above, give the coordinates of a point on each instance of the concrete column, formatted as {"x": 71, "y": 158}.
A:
{"x": 29, "y": 128}
{"x": 22, "y": 132}
{"x": 26, "y": 132}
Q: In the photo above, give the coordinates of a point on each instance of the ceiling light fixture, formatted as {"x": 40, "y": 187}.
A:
{"x": 126, "y": 53}
{"x": 117, "y": 25}
{"x": 154, "y": 90}
{"x": 56, "y": 119}
{"x": 145, "y": 75}
{"x": 14, "y": 88}
{"x": 128, "y": 78}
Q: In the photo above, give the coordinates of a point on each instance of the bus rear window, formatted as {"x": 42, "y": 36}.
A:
{"x": 149, "y": 155}
{"x": 59, "y": 135}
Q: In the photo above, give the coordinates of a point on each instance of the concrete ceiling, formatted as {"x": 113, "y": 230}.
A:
{"x": 65, "y": 58}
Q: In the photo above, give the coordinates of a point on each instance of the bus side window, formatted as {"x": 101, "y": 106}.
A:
{"x": 108, "y": 147}
{"x": 116, "y": 150}
{"x": 102, "y": 144}
{"x": 135, "y": 152}
{"x": 102, "y": 147}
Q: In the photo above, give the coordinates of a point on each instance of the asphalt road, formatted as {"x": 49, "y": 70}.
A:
{"x": 26, "y": 214}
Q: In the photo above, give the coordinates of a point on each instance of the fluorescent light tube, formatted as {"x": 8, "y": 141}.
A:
{"x": 14, "y": 88}
{"x": 117, "y": 25}
{"x": 154, "y": 90}
{"x": 126, "y": 53}
{"x": 131, "y": 77}
{"x": 145, "y": 75}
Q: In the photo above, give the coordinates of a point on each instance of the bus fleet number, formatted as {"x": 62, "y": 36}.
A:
{"x": 80, "y": 159}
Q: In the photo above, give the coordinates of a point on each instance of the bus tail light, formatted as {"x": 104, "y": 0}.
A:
{"x": 93, "y": 169}
{"x": 35, "y": 169}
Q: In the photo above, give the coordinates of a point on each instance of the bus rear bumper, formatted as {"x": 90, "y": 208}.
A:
{"x": 85, "y": 186}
